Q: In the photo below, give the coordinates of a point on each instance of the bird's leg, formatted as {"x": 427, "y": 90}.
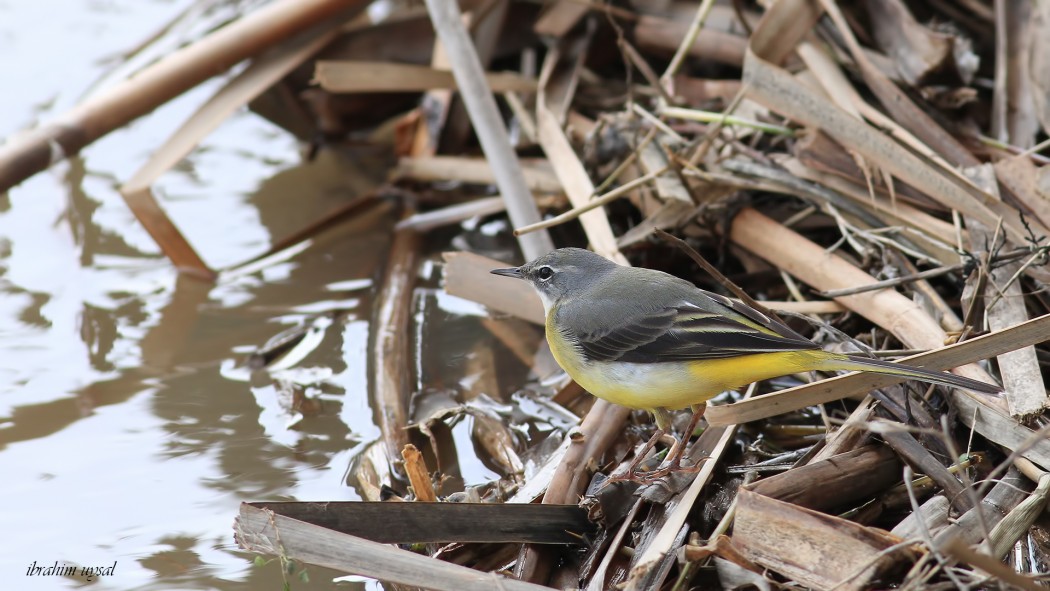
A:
{"x": 675, "y": 457}
{"x": 683, "y": 443}
{"x": 638, "y": 457}
{"x": 663, "y": 418}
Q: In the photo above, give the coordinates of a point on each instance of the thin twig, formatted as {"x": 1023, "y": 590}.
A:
{"x": 596, "y": 203}
{"x": 687, "y": 42}
{"x": 724, "y": 119}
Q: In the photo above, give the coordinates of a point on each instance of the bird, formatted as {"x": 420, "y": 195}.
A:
{"x": 645, "y": 339}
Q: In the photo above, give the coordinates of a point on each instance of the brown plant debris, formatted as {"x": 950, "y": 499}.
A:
{"x": 876, "y": 173}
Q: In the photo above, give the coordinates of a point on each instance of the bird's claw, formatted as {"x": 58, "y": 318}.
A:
{"x": 651, "y": 476}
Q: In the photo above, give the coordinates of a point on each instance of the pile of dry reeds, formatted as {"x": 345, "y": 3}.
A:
{"x": 870, "y": 169}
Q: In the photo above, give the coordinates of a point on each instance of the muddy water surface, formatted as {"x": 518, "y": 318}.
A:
{"x": 128, "y": 433}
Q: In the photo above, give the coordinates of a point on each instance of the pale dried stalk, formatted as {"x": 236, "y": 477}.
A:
{"x": 1005, "y": 306}
{"x": 1016, "y": 523}
{"x": 488, "y": 124}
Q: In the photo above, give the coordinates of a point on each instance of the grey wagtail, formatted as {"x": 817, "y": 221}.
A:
{"x": 644, "y": 339}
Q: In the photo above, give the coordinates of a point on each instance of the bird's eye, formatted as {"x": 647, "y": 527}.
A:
{"x": 545, "y": 273}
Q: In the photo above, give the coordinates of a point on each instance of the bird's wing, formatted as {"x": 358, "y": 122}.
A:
{"x": 704, "y": 326}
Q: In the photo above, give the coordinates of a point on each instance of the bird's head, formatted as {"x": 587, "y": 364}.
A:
{"x": 560, "y": 273}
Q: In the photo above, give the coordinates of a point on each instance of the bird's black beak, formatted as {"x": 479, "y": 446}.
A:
{"x": 514, "y": 272}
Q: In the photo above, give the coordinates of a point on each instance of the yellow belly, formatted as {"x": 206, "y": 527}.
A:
{"x": 677, "y": 384}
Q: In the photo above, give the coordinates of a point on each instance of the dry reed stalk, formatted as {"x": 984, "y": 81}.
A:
{"x": 664, "y": 36}
{"x": 571, "y": 173}
{"x": 770, "y": 85}
{"x": 167, "y": 78}
{"x": 845, "y": 478}
{"x": 391, "y": 342}
{"x": 559, "y": 17}
{"x": 488, "y": 124}
{"x": 1004, "y": 307}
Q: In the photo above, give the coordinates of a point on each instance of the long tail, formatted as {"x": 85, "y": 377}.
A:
{"x": 855, "y": 363}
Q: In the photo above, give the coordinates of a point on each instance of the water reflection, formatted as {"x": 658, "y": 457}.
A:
{"x": 128, "y": 429}
{"x": 123, "y": 437}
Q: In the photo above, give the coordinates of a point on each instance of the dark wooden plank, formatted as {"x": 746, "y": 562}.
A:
{"x": 257, "y": 530}
{"x": 414, "y": 523}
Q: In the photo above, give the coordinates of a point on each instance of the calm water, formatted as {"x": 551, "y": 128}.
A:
{"x": 127, "y": 433}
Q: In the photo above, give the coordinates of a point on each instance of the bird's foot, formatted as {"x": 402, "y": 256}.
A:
{"x": 651, "y": 476}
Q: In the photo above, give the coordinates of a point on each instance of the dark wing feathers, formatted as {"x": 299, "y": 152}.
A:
{"x": 706, "y": 326}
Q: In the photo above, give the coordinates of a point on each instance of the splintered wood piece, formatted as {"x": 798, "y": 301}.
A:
{"x": 429, "y": 522}
{"x": 418, "y": 475}
{"x": 848, "y": 477}
{"x": 826, "y": 552}
{"x": 263, "y": 531}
